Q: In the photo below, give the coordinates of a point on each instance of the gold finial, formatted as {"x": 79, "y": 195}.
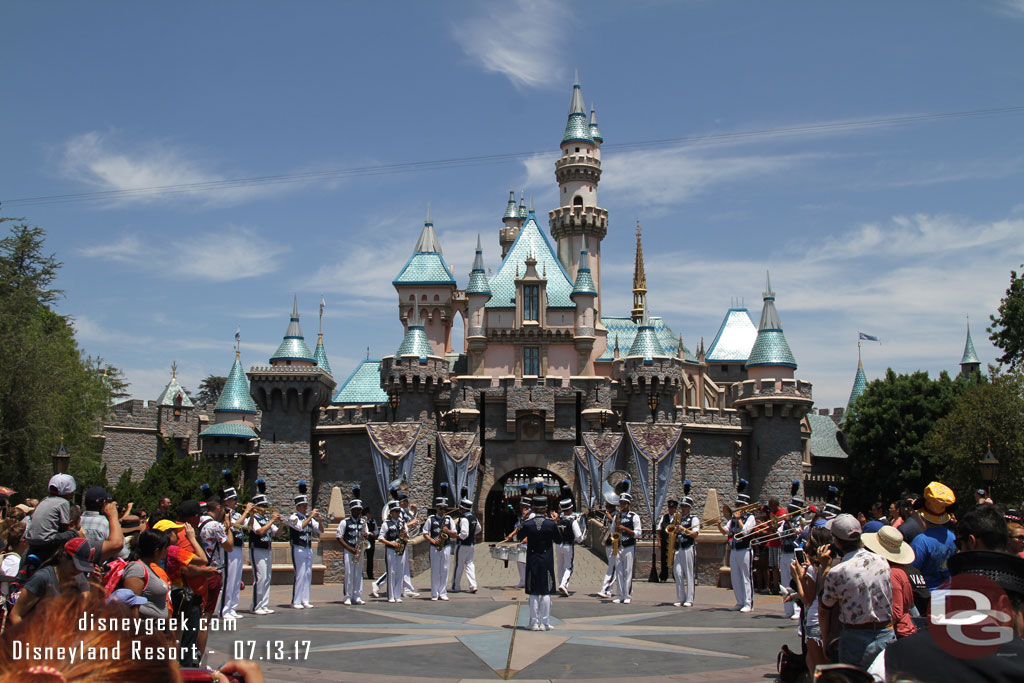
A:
{"x": 174, "y": 369}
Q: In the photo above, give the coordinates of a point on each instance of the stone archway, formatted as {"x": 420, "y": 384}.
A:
{"x": 501, "y": 506}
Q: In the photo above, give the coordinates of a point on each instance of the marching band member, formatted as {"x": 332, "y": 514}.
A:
{"x": 525, "y": 513}
{"x": 235, "y": 557}
{"x": 440, "y": 531}
{"x": 788, "y": 532}
{"x": 391, "y": 535}
{"x": 352, "y": 534}
{"x": 685, "y": 558}
{"x": 629, "y": 533}
{"x": 571, "y": 533}
{"x": 737, "y": 529}
{"x": 539, "y": 532}
{"x": 301, "y": 529}
{"x": 610, "y": 517}
{"x": 261, "y": 535}
{"x": 465, "y": 547}
{"x": 408, "y": 517}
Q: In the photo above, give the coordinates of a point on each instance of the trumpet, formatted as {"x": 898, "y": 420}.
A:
{"x": 265, "y": 511}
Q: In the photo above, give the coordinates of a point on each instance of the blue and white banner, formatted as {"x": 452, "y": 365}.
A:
{"x": 868, "y": 337}
{"x": 583, "y": 476}
{"x": 654, "y": 443}
{"x": 602, "y": 449}
{"x": 392, "y": 442}
{"x": 456, "y": 449}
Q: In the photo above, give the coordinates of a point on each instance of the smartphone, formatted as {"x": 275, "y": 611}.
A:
{"x": 801, "y": 556}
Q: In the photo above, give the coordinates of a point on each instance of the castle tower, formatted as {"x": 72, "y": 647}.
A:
{"x": 478, "y": 293}
{"x": 579, "y": 224}
{"x": 513, "y": 221}
{"x": 860, "y": 383}
{"x": 969, "y": 363}
{"x": 584, "y": 294}
{"x": 426, "y": 284}
{"x": 233, "y": 432}
{"x": 289, "y": 392}
{"x": 174, "y": 413}
{"x": 639, "y": 280}
{"x": 770, "y": 356}
{"x": 649, "y": 369}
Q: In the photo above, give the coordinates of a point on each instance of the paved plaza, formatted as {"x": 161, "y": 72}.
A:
{"x": 482, "y": 636}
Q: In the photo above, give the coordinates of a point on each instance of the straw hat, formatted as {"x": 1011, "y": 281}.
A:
{"x": 937, "y": 497}
{"x": 888, "y": 542}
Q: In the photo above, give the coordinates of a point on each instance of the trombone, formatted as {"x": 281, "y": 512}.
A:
{"x": 758, "y": 528}
{"x": 728, "y": 513}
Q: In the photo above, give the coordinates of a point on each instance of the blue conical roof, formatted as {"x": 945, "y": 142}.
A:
{"x": 646, "y": 344}
{"x": 320, "y": 354}
{"x": 511, "y": 210}
{"x": 235, "y": 397}
{"x": 293, "y": 346}
{"x": 415, "y": 343}
{"x": 770, "y": 347}
{"x": 584, "y": 280}
{"x": 594, "y": 131}
{"x": 970, "y": 355}
{"x": 860, "y": 383}
{"x": 426, "y": 266}
{"x": 577, "y": 128}
{"x": 478, "y": 283}
{"x": 531, "y": 240}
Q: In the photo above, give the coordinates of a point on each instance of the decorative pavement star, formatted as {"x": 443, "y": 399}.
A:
{"x": 507, "y": 650}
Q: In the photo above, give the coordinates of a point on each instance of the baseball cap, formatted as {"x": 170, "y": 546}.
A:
{"x": 168, "y": 525}
{"x": 872, "y": 527}
{"x": 95, "y": 494}
{"x": 937, "y": 497}
{"x": 63, "y": 483}
{"x": 845, "y": 527}
{"x": 85, "y": 554}
{"x": 128, "y": 597}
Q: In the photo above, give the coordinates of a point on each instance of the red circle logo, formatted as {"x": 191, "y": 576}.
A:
{"x": 970, "y": 616}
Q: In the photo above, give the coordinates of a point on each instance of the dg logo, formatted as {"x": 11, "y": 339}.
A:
{"x": 970, "y": 616}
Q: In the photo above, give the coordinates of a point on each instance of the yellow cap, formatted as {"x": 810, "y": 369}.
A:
{"x": 167, "y": 525}
{"x": 939, "y": 493}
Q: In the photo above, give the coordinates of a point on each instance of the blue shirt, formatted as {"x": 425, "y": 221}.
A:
{"x": 932, "y": 549}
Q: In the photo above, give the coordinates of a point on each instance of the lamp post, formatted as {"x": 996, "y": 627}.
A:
{"x": 653, "y": 401}
{"x": 61, "y": 459}
{"x": 989, "y": 467}
{"x": 394, "y": 400}
{"x": 456, "y": 416}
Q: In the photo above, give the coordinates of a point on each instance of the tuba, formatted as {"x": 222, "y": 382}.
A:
{"x": 399, "y": 485}
{"x": 615, "y": 484}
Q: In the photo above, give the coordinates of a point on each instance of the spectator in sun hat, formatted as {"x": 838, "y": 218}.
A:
{"x": 921, "y": 657}
{"x": 888, "y": 542}
{"x": 936, "y": 544}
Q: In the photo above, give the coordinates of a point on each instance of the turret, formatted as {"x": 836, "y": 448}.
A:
{"x": 320, "y": 353}
{"x": 639, "y": 279}
{"x": 579, "y": 224}
{"x": 293, "y": 349}
{"x": 426, "y": 284}
{"x": 174, "y": 412}
{"x": 969, "y": 362}
{"x": 513, "y": 221}
{"x": 234, "y": 415}
{"x": 584, "y": 294}
{"x": 770, "y": 355}
{"x": 649, "y": 370}
{"x": 478, "y": 293}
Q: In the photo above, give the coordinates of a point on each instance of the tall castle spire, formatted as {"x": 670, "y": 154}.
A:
{"x": 293, "y": 347}
{"x": 969, "y": 362}
{"x": 771, "y": 350}
{"x": 639, "y": 279}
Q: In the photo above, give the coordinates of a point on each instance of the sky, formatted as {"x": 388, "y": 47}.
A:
{"x": 869, "y": 155}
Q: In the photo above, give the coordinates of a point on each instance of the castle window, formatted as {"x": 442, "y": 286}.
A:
{"x": 577, "y": 201}
{"x": 531, "y": 302}
{"x": 531, "y": 360}
{"x": 577, "y": 150}
{"x": 725, "y": 368}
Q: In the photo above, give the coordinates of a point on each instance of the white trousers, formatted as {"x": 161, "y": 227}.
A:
{"x": 683, "y": 566}
{"x": 232, "y": 581}
{"x": 395, "y": 576}
{"x": 406, "y": 580}
{"x": 624, "y": 572}
{"x": 786, "y": 575}
{"x": 464, "y": 564}
{"x": 261, "y": 568}
{"x": 563, "y": 559}
{"x": 353, "y": 576}
{"x": 440, "y": 561}
{"x": 302, "y": 561}
{"x": 739, "y": 573}
{"x": 609, "y": 577}
{"x": 540, "y": 609}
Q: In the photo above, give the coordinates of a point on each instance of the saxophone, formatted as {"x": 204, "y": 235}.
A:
{"x": 671, "y": 530}
{"x": 403, "y": 540}
{"x": 616, "y": 536}
{"x": 361, "y": 544}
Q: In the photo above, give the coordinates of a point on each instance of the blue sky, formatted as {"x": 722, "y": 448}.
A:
{"x": 896, "y": 229}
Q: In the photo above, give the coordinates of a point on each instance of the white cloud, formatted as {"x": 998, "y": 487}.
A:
{"x": 1011, "y": 8}
{"x": 234, "y": 253}
{"x": 522, "y": 40}
{"x": 109, "y": 164}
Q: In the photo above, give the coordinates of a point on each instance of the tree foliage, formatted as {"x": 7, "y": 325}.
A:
{"x": 49, "y": 391}
{"x": 986, "y": 414}
{"x": 886, "y": 434}
{"x": 210, "y": 389}
{"x": 1007, "y": 329}
{"x": 179, "y": 477}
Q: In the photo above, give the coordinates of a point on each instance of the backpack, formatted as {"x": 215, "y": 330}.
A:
{"x": 115, "y": 575}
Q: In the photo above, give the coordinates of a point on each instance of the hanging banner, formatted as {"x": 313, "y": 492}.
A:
{"x": 474, "y": 467}
{"x": 654, "y": 443}
{"x": 583, "y": 475}
{"x": 392, "y": 443}
{"x": 456, "y": 449}
{"x": 602, "y": 448}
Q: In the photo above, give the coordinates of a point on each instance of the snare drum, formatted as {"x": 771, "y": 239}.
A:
{"x": 521, "y": 553}
{"x": 499, "y": 552}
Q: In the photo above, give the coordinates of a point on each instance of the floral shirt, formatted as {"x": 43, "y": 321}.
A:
{"x": 861, "y": 586}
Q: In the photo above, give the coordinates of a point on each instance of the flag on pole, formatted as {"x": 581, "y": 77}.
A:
{"x": 238, "y": 334}
{"x": 868, "y": 337}
{"x": 322, "y": 304}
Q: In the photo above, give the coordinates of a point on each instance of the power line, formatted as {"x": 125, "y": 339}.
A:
{"x": 416, "y": 166}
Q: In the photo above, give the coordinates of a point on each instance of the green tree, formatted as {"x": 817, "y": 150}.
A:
{"x": 179, "y": 477}
{"x": 986, "y": 414}
{"x": 49, "y": 391}
{"x": 1007, "y": 329}
{"x": 886, "y": 435}
{"x": 210, "y": 389}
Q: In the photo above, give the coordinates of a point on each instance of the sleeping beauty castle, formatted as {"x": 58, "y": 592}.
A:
{"x": 553, "y": 389}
